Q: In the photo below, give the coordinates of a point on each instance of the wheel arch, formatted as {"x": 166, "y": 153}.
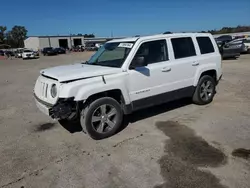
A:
{"x": 211, "y": 71}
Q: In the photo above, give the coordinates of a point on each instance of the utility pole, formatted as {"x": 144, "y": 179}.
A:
{"x": 49, "y": 41}
{"x": 70, "y": 40}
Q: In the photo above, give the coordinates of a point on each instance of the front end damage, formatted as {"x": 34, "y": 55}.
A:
{"x": 64, "y": 109}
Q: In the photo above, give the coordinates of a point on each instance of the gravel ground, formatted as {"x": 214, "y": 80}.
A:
{"x": 175, "y": 145}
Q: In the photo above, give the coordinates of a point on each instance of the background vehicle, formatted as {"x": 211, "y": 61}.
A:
{"x": 224, "y": 38}
{"x": 18, "y": 53}
{"x": 36, "y": 53}
{"x": 245, "y": 42}
{"x": 79, "y": 48}
{"x": 28, "y": 54}
{"x": 49, "y": 51}
{"x": 60, "y": 50}
{"x": 91, "y": 47}
{"x": 230, "y": 50}
{"x": 1, "y": 53}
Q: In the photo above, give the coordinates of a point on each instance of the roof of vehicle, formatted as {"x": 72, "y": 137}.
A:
{"x": 159, "y": 36}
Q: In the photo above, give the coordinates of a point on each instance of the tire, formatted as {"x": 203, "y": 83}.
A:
{"x": 104, "y": 124}
{"x": 201, "y": 96}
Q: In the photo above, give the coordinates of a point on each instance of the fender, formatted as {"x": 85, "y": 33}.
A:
{"x": 83, "y": 89}
{"x": 203, "y": 68}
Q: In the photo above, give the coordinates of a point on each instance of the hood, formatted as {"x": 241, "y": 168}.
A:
{"x": 78, "y": 71}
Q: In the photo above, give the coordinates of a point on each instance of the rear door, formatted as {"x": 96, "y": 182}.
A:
{"x": 208, "y": 55}
{"x": 183, "y": 63}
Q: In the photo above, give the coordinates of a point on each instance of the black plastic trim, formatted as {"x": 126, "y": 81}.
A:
{"x": 49, "y": 77}
{"x": 163, "y": 98}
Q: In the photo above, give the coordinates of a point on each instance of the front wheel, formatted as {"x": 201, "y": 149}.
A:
{"x": 205, "y": 90}
{"x": 102, "y": 118}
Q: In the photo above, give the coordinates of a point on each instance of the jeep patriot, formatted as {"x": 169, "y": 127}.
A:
{"x": 129, "y": 74}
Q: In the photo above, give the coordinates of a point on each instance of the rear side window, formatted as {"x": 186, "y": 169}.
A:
{"x": 205, "y": 45}
{"x": 183, "y": 47}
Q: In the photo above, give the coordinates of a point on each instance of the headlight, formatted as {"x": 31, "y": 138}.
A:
{"x": 53, "y": 90}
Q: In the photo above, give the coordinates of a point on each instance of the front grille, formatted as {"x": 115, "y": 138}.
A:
{"x": 43, "y": 89}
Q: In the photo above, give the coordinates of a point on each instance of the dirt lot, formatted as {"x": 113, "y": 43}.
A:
{"x": 173, "y": 145}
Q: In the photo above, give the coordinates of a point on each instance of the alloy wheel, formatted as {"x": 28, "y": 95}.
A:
{"x": 104, "y": 118}
{"x": 206, "y": 90}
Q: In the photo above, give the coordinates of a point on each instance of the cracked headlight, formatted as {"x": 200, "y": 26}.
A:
{"x": 53, "y": 91}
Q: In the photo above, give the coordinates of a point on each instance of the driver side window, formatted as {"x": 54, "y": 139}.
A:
{"x": 153, "y": 51}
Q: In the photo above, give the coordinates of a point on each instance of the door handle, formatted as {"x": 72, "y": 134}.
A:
{"x": 195, "y": 64}
{"x": 166, "y": 69}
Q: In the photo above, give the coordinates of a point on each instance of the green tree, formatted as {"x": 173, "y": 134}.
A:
{"x": 89, "y": 35}
{"x": 16, "y": 36}
{"x": 2, "y": 34}
{"x": 230, "y": 30}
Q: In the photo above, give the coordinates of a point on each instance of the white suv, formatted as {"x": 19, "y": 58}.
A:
{"x": 128, "y": 74}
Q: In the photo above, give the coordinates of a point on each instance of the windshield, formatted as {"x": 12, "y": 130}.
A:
{"x": 111, "y": 54}
{"x": 27, "y": 51}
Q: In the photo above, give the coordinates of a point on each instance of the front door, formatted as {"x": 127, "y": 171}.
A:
{"x": 146, "y": 83}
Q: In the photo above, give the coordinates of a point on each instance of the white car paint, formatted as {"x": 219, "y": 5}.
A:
{"x": 28, "y": 54}
{"x": 78, "y": 71}
{"x": 141, "y": 83}
{"x": 246, "y": 41}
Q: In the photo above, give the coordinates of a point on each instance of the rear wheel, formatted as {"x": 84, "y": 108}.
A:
{"x": 102, "y": 118}
{"x": 205, "y": 90}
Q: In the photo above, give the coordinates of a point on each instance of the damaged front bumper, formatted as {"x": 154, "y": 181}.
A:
{"x": 63, "y": 109}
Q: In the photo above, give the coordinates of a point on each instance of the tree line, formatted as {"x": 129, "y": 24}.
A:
{"x": 14, "y": 37}
{"x": 86, "y": 35}
{"x": 224, "y": 30}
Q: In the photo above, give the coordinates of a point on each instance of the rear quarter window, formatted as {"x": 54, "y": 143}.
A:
{"x": 205, "y": 45}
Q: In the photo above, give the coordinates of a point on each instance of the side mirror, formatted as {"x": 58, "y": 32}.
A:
{"x": 138, "y": 61}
